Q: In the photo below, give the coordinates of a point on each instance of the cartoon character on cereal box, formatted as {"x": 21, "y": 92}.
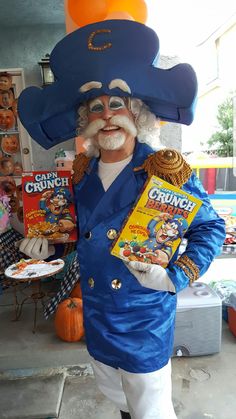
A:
{"x": 55, "y": 204}
{"x": 161, "y": 237}
{"x": 163, "y": 231}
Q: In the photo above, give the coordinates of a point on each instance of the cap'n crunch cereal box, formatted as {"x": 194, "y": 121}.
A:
{"x": 157, "y": 224}
{"x": 49, "y": 210}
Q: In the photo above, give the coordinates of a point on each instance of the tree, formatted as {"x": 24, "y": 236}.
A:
{"x": 222, "y": 140}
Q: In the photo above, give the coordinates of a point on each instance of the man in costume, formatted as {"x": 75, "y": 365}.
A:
{"x": 106, "y": 77}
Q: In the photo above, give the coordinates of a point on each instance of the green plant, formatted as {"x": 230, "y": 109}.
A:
{"x": 222, "y": 140}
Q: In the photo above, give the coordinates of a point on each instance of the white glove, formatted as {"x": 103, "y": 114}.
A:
{"x": 37, "y": 248}
{"x": 151, "y": 276}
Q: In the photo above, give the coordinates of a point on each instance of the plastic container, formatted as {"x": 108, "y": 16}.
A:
{"x": 225, "y": 289}
{"x": 232, "y": 320}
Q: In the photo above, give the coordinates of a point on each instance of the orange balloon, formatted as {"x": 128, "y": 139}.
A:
{"x": 70, "y": 24}
{"x": 136, "y": 8}
{"x": 84, "y": 12}
{"x": 119, "y": 15}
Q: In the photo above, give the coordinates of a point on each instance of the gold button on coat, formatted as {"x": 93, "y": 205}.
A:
{"x": 111, "y": 234}
{"x": 116, "y": 284}
{"x": 91, "y": 282}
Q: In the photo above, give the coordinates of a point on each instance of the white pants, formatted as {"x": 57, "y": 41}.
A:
{"x": 144, "y": 396}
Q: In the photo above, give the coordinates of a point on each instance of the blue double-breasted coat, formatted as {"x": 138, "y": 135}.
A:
{"x": 126, "y": 325}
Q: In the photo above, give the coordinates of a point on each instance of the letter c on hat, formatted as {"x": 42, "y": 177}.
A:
{"x": 101, "y": 47}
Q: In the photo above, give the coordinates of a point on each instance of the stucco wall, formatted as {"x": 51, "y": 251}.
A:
{"x": 23, "y": 47}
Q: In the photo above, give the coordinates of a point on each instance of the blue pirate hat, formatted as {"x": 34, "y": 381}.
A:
{"x": 63, "y": 191}
{"x": 103, "y": 53}
{"x": 182, "y": 224}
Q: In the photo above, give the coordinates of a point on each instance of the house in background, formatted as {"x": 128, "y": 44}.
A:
{"x": 215, "y": 65}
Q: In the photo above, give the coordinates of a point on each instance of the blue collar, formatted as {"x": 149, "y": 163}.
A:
{"x": 99, "y": 205}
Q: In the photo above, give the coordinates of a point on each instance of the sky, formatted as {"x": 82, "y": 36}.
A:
{"x": 182, "y": 24}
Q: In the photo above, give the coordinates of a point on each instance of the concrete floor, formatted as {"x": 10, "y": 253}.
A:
{"x": 203, "y": 387}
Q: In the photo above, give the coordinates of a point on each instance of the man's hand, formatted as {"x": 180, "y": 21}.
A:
{"x": 37, "y": 248}
{"x": 151, "y": 276}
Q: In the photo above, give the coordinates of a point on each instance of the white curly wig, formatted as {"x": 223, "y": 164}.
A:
{"x": 147, "y": 125}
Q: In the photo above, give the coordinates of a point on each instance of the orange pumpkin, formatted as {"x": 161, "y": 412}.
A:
{"x": 5, "y": 81}
{"x": 10, "y": 144}
{"x": 6, "y": 98}
{"x": 7, "y": 119}
{"x": 76, "y": 292}
{"x": 69, "y": 320}
{"x": 6, "y": 166}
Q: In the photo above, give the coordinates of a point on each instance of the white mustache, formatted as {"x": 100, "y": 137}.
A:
{"x": 120, "y": 121}
{"x": 93, "y": 127}
{"x": 125, "y": 123}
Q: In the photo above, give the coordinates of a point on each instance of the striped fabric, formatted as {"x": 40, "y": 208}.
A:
{"x": 67, "y": 284}
{"x": 9, "y": 252}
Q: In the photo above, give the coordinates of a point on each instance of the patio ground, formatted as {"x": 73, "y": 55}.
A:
{"x": 43, "y": 377}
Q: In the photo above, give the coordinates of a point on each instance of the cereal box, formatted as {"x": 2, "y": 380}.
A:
{"x": 225, "y": 206}
{"x": 157, "y": 224}
{"x": 49, "y": 210}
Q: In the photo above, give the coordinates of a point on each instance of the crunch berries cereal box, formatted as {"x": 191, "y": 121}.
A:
{"x": 157, "y": 224}
{"x": 48, "y": 206}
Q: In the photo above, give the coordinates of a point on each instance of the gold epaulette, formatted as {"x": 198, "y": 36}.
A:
{"x": 80, "y": 165}
{"x": 169, "y": 165}
{"x": 189, "y": 267}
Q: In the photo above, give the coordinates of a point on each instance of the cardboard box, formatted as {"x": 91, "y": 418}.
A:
{"x": 157, "y": 224}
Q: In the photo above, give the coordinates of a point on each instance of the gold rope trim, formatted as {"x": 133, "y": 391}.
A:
{"x": 169, "y": 165}
{"x": 186, "y": 270}
{"x": 189, "y": 262}
{"x": 80, "y": 165}
{"x": 189, "y": 267}
{"x": 69, "y": 248}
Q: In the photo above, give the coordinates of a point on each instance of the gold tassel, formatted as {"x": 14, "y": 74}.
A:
{"x": 80, "y": 165}
{"x": 169, "y": 165}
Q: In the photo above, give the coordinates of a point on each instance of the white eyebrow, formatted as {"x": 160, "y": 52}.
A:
{"x": 121, "y": 84}
{"x": 90, "y": 85}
